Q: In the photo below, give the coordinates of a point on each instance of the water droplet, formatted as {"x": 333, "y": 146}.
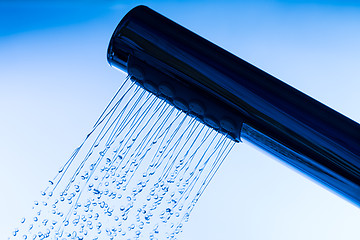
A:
{"x": 15, "y": 232}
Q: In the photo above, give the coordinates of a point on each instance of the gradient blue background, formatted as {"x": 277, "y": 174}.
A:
{"x": 55, "y": 81}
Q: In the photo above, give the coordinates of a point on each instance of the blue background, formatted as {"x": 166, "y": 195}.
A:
{"x": 55, "y": 81}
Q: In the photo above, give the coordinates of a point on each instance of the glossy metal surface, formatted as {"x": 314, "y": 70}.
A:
{"x": 301, "y": 131}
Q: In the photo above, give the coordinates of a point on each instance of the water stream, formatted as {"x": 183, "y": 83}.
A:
{"x": 137, "y": 175}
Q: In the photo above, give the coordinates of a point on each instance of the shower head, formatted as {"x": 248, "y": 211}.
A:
{"x": 238, "y": 99}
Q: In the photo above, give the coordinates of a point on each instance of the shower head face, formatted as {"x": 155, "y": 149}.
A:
{"x": 189, "y": 98}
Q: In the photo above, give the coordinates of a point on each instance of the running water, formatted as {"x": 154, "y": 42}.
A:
{"x": 137, "y": 175}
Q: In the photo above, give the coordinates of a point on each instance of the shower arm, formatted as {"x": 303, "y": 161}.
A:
{"x": 247, "y": 103}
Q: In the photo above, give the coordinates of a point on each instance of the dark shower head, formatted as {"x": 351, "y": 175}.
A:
{"x": 238, "y": 99}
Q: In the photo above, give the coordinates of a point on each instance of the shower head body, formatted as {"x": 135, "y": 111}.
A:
{"x": 238, "y": 99}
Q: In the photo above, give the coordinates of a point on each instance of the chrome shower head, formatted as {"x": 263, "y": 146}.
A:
{"x": 238, "y": 99}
